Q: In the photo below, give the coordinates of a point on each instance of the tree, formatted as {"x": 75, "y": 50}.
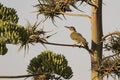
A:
{"x": 57, "y": 8}
{"x": 10, "y": 32}
{"x": 51, "y": 65}
{"x": 47, "y": 64}
{"x": 100, "y": 68}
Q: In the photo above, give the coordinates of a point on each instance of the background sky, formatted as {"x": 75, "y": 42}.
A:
{"x": 15, "y": 63}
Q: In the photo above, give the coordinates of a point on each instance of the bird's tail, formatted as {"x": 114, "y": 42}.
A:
{"x": 86, "y": 46}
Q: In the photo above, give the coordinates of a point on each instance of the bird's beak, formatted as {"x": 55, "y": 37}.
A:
{"x": 66, "y": 26}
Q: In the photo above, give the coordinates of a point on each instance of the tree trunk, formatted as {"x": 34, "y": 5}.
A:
{"x": 97, "y": 34}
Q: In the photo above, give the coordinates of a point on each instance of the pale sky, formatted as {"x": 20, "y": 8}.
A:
{"x": 14, "y": 62}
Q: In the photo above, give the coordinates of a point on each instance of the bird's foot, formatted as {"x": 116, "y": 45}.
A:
{"x": 74, "y": 45}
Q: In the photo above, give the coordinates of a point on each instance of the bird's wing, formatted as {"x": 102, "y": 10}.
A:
{"x": 78, "y": 37}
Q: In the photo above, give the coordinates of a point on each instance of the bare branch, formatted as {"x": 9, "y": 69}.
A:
{"x": 59, "y": 44}
{"x": 113, "y": 33}
{"x": 44, "y": 41}
{"x": 69, "y": 45}
{"x": 71, "y": 14}
{"x": 110, "y": 56}
{"x": 20, "y": 76}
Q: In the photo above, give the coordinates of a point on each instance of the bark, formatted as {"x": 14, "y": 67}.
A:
{"x": 97, "y": 33}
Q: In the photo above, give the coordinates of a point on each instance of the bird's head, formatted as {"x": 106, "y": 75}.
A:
{"x": 71, "y": 28}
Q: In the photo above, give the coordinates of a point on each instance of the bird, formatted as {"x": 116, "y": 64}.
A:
{"x": 77, "y": 37}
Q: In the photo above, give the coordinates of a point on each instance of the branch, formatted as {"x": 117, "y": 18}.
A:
{"x": 59, "y": 44}
{"x": 113, "y": 33}
{"x": 20, "y": 76}
{"x": 110, "y": 56}
{"x": 71, "y": 14}
{"x": 69, "y": 45}
{"x": 44, "y": 41}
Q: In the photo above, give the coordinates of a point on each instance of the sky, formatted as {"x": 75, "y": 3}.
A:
{"x": 15, "y": 62}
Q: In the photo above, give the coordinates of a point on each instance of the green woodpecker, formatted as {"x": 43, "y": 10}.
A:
{"x": 77, "y": 37}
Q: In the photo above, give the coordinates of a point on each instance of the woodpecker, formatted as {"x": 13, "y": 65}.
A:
{"x": 77, "y": 37}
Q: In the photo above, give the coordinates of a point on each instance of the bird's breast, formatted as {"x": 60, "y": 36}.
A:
{"x": 75, "y": 36}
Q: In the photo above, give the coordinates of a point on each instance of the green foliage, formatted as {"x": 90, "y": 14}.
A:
{"x": 53, "y": 8}
{"x": 50, "y": 63}
{"x": 3, "y": 48}
{"x": 112, "y": 42}
{"x": 111, "y": 64}
{"x": 8, "y": 14}
{"x": 10, "y": 32}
